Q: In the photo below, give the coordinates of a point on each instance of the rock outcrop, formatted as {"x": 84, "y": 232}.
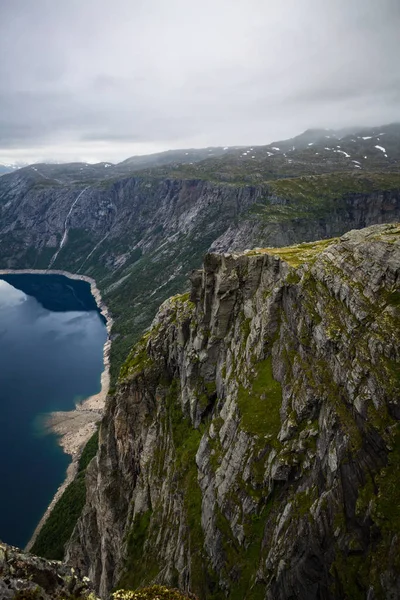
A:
{"x": 251, "y": 449}
{"x": 26, "y": 577}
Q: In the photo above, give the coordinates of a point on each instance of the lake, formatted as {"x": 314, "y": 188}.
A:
{"x": 51, "y": 356}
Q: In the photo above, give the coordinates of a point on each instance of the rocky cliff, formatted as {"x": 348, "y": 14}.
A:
{"x": 251, "y": 449}
{"x": 24, "y": 576}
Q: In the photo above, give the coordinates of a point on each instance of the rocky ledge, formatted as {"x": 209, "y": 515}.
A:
{"x": 27, "y": 577}
{"x": 24, "y": 576}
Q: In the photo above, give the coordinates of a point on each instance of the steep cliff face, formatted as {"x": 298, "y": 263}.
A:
{"x": 252, "y": 446}
{"x": 133, "y": 212}
{"x": 283, "y": 220}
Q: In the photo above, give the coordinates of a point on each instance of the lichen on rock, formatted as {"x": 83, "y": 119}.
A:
{"x": 24, "y": 576}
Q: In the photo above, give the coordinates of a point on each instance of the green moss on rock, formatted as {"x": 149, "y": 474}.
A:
{"x": 154, "y": 592}
{"x": 260, "y": 403}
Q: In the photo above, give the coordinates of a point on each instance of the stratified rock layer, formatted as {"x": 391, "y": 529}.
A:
{"x": 252, "y": 448}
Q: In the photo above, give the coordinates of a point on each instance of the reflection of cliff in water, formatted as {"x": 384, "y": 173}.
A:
{"x": 57, "y": 293}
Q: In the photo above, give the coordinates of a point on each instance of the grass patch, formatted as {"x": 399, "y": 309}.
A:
{"x": 137, "y": 566}
{"x": 319, "y": 189}
{"x": 154, "y": 592}
{"x": 260, "y": 404}
{"x": 137, "y": 360}
{"x": 299, "y": 254}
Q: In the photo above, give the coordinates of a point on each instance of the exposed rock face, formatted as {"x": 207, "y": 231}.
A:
{"x": 34, "y": 215}
{"x": 353, "y": 210}
{"x": 252, "y": 445}
{"x": 27, "y": 577}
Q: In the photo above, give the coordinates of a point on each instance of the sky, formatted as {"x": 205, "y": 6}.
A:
{"x": 103, "y": 80}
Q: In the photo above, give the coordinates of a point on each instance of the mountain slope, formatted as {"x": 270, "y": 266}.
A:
{"x": 9, "y": 168}
{"x": 171, "y": 157}
{"x": 314, "y": 152}
{"x": 251, "y": 447}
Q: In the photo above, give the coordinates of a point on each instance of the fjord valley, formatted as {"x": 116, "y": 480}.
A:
{"x": 249, "y": 443}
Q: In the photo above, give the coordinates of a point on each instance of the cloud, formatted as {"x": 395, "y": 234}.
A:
{"x": 101, "y": 79}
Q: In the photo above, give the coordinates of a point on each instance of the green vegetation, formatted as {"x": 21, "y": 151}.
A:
{"x": 37, "y": 594}
{"x": 57, "y": 530}
{"x": 186, "y": 442}
{"x": 302, "y": 501}
{"x": 299, "y": 254}
{"x": 80, "y": 243}
{"x": 262, "y": 167}
{"x": 32, "y": 594}
{"x": 380, "y": 498}
{"x": 260, "y": 404}
{"x": 155, "y": 592}
{"x": 386, "y": 511}
{"x": 319, "y": 189}
{"x": 89, "y": 452}
{"x": 137, "y": 360}
{"x": 139, "y": 290}
{"x": 59, "y": 526}
{"x": 317, "y": 196}
{"x": 247, "y": 562}
{"x": 244, "y": 560}
{"x": 140, "y": 565}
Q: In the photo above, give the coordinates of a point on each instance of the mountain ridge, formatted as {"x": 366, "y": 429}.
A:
{"x": 190, "y": 156}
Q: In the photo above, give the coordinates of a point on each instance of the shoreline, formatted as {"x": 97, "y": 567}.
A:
{"x": 75, "y": 427}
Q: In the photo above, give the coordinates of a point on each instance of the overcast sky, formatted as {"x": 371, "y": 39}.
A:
{"x": 107, "y": 79}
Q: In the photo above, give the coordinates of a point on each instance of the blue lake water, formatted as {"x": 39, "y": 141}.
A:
{"x": 51, "y": 356}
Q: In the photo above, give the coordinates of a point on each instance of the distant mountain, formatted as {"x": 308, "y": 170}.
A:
{"x": 170, "y": 157}
{"x": 315, "y": 151}
{"x": 324, "y": 138}
{"x": 9, "y": 168}
{"x": 69, "y": 172}
{"x": 307, "y": 138}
